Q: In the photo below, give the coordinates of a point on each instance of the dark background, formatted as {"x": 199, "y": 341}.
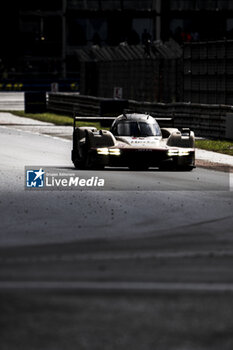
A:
{"x": 38, "y": 39}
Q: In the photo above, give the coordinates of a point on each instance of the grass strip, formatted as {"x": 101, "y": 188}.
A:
{"x": 56, "y": 119}
{"x": 220, "y": 146}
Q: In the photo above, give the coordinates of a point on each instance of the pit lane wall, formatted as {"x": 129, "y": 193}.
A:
{"x": 211, "y": 121}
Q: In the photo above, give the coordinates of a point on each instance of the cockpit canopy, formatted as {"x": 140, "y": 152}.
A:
{"x": 135, "y": 125}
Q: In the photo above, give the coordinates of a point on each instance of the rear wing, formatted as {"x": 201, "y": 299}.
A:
{"x": 164, "y": 122}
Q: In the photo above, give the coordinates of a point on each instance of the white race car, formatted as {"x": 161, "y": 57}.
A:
{"x": 136, "y": 141}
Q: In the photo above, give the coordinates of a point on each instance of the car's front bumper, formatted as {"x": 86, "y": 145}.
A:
{"x": 147, "y": 157}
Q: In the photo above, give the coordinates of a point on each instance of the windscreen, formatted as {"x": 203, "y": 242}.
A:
{"x": 137, "y": 129}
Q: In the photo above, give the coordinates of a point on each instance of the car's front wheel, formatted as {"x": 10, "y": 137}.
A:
{"x": 142, "y": 167}
{"x": 79, "y": 164}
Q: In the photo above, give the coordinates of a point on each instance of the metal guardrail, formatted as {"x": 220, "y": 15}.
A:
{"x": 205, "y": 120}
{"x": 69, "y": 103}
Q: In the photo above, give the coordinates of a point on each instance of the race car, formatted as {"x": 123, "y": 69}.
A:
{"x": 136, "y": 141}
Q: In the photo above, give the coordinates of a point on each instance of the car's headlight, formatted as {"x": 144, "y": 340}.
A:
{"x": 184, "y": 153}
{"x": 103, "y": 151}
{"x": 176, "y": 152}
{"x": 172, "y": 152}
{"x": 114, "y": 151}
{"x": 109, "y": 151}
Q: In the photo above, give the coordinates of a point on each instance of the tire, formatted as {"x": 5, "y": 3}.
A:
{"x": 186, "y": 168}
{"x": 97, "y": 167}
{"x": 138, "y": 167}
{"x": 87, "y": 164}
{"x": 80, "y": 164}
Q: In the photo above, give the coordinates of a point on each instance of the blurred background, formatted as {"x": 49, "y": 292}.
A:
{"x": 42, "y": 42}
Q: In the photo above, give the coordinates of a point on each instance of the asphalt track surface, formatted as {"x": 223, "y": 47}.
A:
{"x": 144, "y": 263}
